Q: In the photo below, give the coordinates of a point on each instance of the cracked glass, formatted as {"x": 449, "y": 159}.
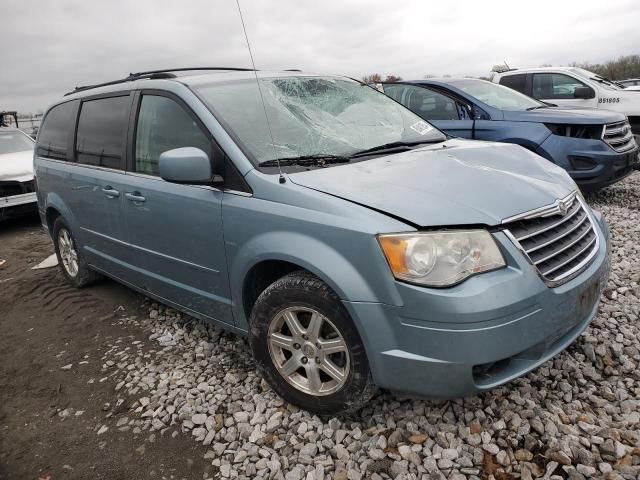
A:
{"x": 311, "y": 116}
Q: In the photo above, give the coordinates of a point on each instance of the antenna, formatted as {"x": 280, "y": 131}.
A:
{"x": 264, "y": 107}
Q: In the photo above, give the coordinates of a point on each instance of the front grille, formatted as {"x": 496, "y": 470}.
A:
{"x": 11, "y": 188}
{"x": 560, "y": 245}
{"x": 619, "y": 136}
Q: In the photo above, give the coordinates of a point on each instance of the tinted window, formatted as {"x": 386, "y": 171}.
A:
{"x": 428, "y": 104}
{"x": 517, "y": 82}
{"x": 164, "y": 125}
{"x": 101, "y": 131}
{"x": 554, "y": 85}
{"x": 52, "y": 140}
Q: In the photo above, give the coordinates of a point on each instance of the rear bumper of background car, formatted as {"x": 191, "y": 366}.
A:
{"x": 454, "y": 342}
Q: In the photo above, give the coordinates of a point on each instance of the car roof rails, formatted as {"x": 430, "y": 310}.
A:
{"x": 156, "y": 75}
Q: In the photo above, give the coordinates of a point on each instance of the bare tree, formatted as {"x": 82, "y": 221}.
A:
{"x": 372, "y": 78}
{"x": 623, "y": 67}
{"x": 377, "y": 78}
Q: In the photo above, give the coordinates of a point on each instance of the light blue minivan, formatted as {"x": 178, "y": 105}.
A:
{"x": 354, "y": 243}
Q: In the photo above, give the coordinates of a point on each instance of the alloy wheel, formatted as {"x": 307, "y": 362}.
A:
{"x": 68, "y": 253}
{"x": 308, "y": 351}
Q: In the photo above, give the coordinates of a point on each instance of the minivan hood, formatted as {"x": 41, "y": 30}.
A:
{"x": 458, "y": 182}
{"x": 17, "y": 166}
{"x": 573, "y": 115}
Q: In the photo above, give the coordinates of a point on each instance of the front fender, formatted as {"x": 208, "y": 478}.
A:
{"x": 309, "y": 253}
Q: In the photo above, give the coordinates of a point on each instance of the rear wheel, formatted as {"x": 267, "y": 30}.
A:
{"x": 70, "y": 258}
{"x": 308, "y": 348}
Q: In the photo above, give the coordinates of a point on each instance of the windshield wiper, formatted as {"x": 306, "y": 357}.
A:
{"x": 393, "y": 146}
{"x": 537, "y": 107}
{"x": 606, "y": 81}
{"x": 318, "y": 160}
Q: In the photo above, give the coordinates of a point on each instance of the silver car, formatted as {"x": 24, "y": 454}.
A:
{"x": 17, "y": 188}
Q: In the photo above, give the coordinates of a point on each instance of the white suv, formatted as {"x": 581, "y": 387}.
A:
{"x": 575, "y": 87}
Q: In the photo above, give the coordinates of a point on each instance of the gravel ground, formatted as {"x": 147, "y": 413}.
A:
{"x": 577, "y": 416}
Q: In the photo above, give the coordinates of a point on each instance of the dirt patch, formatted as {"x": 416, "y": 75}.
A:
{"x": 52, "y": 400}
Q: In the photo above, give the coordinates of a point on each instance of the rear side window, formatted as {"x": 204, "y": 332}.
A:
{"x": 54, "y": 133}
{"x": 517, "y": 82}
{"x": 428, "y": 104}
{"x": 101, "y": 131}
{"x": 164, "y": 125}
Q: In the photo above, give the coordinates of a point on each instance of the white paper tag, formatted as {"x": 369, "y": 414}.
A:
{"x": 421, "y": 127}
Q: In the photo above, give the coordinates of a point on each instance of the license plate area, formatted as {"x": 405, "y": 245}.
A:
{"x": 584, "y": 304}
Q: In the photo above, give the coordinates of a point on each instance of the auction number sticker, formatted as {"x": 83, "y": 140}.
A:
{"x": 609, "y": 100}
{"x": 421, "y": 127}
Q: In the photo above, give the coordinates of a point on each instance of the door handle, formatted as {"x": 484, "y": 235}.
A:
{"x": 135, "y": 197}
{"x": 110, "y": 192}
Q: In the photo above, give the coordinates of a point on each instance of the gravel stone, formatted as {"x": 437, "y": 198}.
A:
{"x": 199, "y": 419}
{"x": 449, "y": 453}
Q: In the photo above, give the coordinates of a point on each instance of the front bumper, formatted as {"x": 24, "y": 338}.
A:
{"x": 591, "y": 163}
{"x": 18, "y": 204}
{"x": 454, "y": 342}
{"x": 16, "y": 200}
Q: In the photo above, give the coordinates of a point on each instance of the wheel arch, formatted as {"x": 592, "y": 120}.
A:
{"x": 272, "y": 255}
{"x": 56, "y": 207}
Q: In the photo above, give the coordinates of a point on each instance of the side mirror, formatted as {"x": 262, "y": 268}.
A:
{"x": 187, "y": 165}
{"x": 584, "y": 93}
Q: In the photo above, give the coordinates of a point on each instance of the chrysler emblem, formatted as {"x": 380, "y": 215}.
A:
{"x": 563, "y": 208}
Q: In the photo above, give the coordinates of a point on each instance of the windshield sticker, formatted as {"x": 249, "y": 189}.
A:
{"x": 421, "y": 127}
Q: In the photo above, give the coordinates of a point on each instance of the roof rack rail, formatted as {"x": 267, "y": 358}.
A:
{"x": 154, "y": 75}
{"x": 188, "y": 69}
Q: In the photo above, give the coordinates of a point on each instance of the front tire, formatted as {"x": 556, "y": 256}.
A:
{"x": 307, "y": 347}
{"x": 72, "y": 263}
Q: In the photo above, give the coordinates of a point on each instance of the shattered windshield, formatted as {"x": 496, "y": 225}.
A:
{"x": 12, "y": 142}
{"x": 311, "y": 117}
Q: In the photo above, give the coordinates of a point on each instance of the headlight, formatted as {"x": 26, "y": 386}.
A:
{"x": 440, "y": 259}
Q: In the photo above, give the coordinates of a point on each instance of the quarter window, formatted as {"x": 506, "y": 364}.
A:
{"x": 54, "y": 133}
{"x": 164, "y": 125}
{"x": 555, "y": 86}
{"x": 517, "y": 82}
{"x": 428, "y": 104}
{"x": 101, "y": 131}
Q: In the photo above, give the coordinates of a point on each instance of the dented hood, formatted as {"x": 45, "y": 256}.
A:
{"x": 17, "y": 166}
{"x": 457, "y": 182}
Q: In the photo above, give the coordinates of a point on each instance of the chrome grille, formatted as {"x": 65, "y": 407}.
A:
{"x": 619, "y": 136}
{"x": 559, "y": 240}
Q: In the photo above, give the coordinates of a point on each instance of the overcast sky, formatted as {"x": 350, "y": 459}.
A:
{"x": 51, "y": 46}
